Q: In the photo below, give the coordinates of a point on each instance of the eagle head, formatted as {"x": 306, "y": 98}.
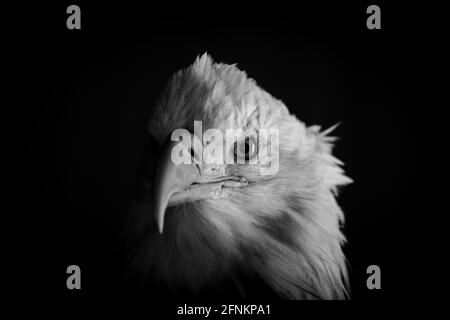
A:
{"x": 276, "y": 219}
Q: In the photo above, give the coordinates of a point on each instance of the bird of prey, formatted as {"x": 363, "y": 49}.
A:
{"x": 198, "y": 226}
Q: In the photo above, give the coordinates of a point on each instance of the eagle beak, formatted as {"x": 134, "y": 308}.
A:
{"x": 170, "y": 178}
{"x": 175, "y": 184}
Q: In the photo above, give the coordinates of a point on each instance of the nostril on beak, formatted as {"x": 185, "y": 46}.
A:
{"x": 195, "y": 159}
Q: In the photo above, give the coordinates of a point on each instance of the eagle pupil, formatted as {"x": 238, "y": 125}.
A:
{"x": 247, "y": 150}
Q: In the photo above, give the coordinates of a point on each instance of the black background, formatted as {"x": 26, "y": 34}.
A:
{"x": 89, "y": 94}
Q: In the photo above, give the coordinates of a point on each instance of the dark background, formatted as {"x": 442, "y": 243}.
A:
{"x": 89, "y": 94}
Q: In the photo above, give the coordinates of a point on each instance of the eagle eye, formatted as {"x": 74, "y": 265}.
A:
{"x": 247, "y": 149}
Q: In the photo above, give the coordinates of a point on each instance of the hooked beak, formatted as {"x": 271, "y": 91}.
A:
{"x": 175, "y": 184}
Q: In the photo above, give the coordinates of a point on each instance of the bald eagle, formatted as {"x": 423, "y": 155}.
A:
{"x": 198, "y": 226}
